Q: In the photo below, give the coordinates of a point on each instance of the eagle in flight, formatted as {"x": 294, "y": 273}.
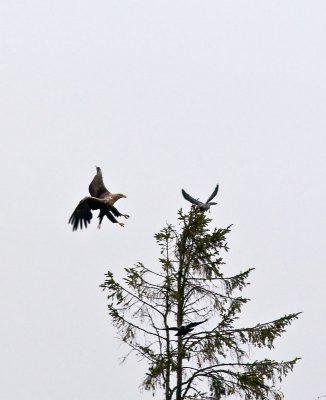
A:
{"x": 100, "y": 199}
{"x": 201, "y": 206}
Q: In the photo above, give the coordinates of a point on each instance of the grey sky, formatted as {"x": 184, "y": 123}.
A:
{"x": 162, "y": 95}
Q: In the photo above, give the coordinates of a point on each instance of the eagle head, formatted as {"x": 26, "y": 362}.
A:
{"x": 120, "y": 196}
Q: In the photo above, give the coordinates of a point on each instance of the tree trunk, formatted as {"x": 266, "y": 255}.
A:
{"x": 179, "y": 369}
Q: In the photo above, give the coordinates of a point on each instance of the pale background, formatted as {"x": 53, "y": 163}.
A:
{"x": 162, "y": 95}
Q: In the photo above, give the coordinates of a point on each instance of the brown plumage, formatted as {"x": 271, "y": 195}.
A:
{"x": 100, "y": 199}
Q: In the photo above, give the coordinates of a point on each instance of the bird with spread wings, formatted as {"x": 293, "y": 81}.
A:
{"x": 201, "y": 206}
{"x": 100, "y": 199}
{"x": 184, "y": 329}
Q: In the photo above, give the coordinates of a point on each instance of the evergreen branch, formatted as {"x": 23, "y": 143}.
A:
{"x": 117, "y": 319}
{"x": 191, "y": 284}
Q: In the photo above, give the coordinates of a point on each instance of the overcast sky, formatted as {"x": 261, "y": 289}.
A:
{"x": 162, "y": 95}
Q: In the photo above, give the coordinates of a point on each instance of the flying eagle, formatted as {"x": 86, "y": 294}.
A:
{"x": 202, "y": 206}
{"x": 184, "y": 329}
{"x": 100, "y": 199}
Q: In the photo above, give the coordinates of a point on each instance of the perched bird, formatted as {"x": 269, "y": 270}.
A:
{"x": 202, "y": 206}
{"x": 100, "y": 199}
{"x": 184, "y": 329}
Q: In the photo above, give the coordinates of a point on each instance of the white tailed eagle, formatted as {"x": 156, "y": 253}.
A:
{"x": 100, "y": 199}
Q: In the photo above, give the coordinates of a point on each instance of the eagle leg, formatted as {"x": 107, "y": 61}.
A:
{"x": 118, "y": 213}
{"x": 100, "y": 217}
{"x": 112, "y": 219}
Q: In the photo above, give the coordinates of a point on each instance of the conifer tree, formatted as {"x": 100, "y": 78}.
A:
{"x": 191, "y": 284}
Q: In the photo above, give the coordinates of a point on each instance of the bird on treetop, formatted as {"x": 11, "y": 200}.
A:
{"x": 199, "y": 204}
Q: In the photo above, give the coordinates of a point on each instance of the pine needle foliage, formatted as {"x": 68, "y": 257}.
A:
{"x": 189, "y": 285}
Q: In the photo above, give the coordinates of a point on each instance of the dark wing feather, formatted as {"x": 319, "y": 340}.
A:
{"x": 189, "y": 198}
{"x": 82, "y": 214}
{"x": 211, "y": 197}
{"x": 97, "y": 187}
{"x": 193, "y": 324}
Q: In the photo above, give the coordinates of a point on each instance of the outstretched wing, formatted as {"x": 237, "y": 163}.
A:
{"x": 193, "y": 324}
{"x": 83, "y": 214}
{"x": 169, "y": 329}
{"x": 97, "y": 187}
{"x": 211, "y": 197}
{"x": 189, "y": 198}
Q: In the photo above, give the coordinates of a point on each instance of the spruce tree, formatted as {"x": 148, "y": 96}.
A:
{"x": 191, "y": 284}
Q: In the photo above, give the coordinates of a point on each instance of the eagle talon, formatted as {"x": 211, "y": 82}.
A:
{"x": 121, "y": 224}
{"x": 126, "y": 216}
